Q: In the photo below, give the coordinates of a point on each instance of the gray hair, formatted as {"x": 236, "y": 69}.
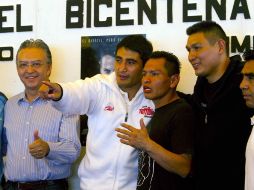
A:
{"x": 38, "y": 43}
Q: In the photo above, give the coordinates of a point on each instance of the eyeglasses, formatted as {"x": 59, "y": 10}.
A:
{"x": 34, "y": 65}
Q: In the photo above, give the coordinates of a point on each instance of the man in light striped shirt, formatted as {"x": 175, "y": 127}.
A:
{"x": 42, "y": 142}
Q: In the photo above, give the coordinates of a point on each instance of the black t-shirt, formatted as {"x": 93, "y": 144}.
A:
{"x": 210, "y": 90}
{"x": 172, "y": 128}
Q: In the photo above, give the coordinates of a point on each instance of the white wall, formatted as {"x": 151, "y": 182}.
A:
{"x": 48, "y": 20}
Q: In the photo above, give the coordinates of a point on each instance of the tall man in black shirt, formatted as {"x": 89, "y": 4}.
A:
{"x": 224, "y": 123}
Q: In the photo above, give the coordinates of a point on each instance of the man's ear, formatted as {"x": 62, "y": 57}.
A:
{"x": 49, "y": 70}
{"x": 222, "y": 46}
{"x": 174, "y": 80}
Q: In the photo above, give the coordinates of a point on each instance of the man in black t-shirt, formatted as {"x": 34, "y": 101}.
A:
{"x": 223, "y": 125}
{"x": 166, "y": 142}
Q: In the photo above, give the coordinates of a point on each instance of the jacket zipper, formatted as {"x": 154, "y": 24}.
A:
{"x": 204, "y": 107}
{"x": 126, "y": 117}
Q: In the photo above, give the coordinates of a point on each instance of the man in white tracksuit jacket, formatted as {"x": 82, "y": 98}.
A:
{"x": 108, "y": 100}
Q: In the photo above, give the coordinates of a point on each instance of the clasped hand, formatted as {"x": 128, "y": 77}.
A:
{"x": 39, "y": 148}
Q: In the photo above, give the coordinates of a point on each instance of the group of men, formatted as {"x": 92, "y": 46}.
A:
{"x": 142, "y": 134}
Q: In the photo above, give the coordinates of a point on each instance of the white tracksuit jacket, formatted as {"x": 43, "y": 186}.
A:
{"x": 108, "y": 164}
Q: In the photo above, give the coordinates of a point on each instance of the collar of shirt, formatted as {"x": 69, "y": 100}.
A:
{"x": 22, "y": 99}
{"x": 252, "y": 120}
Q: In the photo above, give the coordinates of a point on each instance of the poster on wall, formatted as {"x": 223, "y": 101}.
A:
{"x": 97, "y": 56}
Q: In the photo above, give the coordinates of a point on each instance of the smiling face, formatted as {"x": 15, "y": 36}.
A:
{"x": 157, "y": 85}
{"x": 32, "y": 67}
{"x": 128, "y": 69}
{"x": 247, "y": 84}
{"x": 203, "y": 55}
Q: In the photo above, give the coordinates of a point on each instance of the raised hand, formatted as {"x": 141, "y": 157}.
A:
{"x": 50, "y": 90}
{"x": 137, "y": 138}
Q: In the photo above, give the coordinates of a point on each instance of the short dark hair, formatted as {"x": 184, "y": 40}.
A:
{"x": 38, "y": 43}
{"x": 137, "y": 43}
{"x": 248, "y": 55}
{"x": 212, "y": 31}
{"x": 172, "y": 63}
